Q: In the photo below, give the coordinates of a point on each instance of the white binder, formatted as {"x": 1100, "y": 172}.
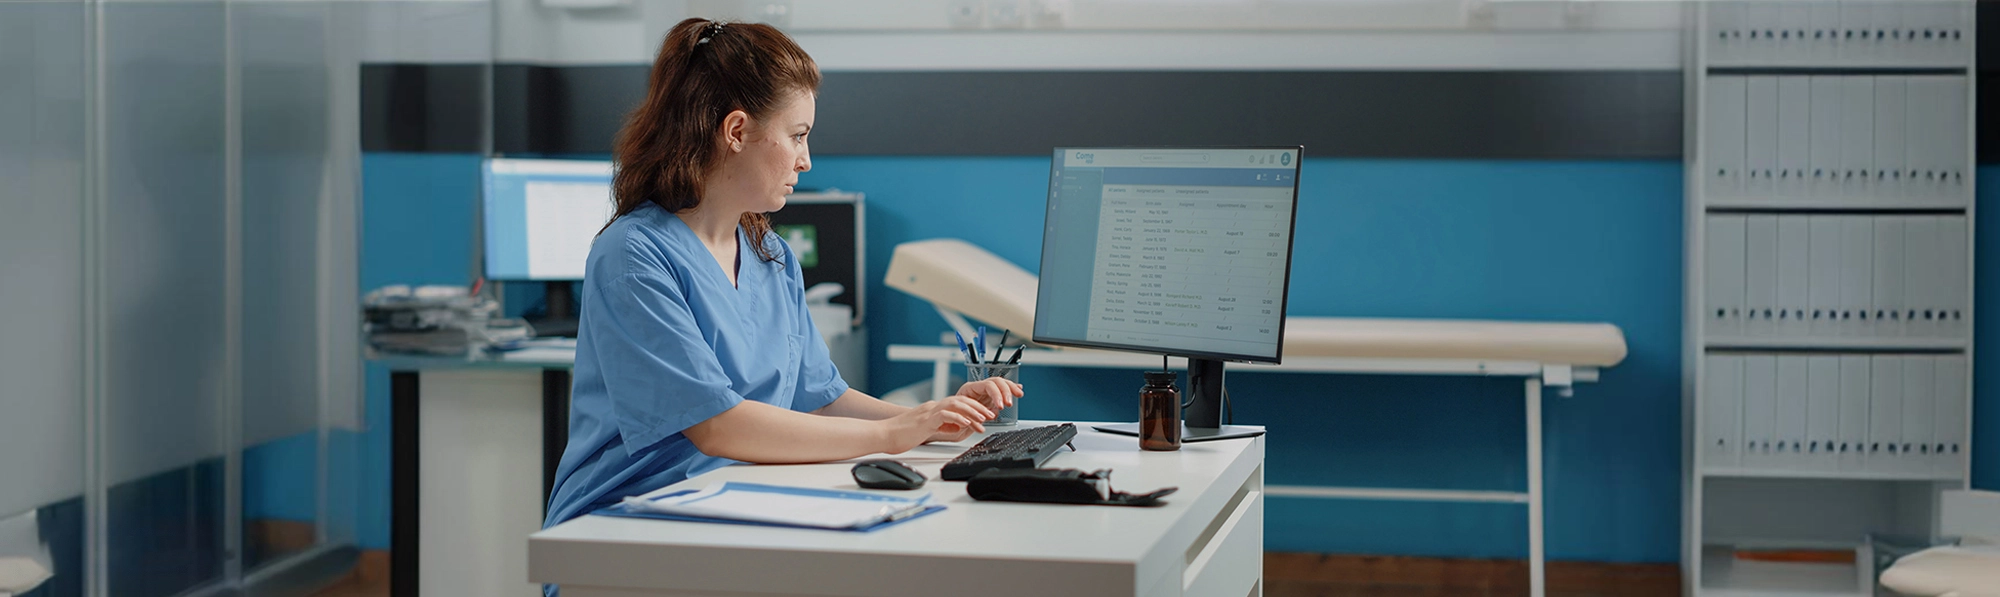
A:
{"x": 1826, "y": 150}
{"x": 1760, "y": 140}
{"x": 1922, "y": 100}
{"x": 1722, "y": 412}
{"x": 1920, "y": 277}
{"x": 1765, "y": 19}
{"x": 1857, "y": 275}
{"x": 1888, "y": 295}
{"x": 1792, "y": 412}
{"x": 1949, "y": 424}
{"x": 1919, "y": 379}
{"x": 1794, "y": 250}
{"x": 1854, "y": 386}
{"x": 1885, "y": 413}
{"x": 1823, "y": 280}
{"x": 1857, "y": 139}
{"x": 1724, "y": 128}
{"x": 1723, "y": 276}
{"x": 1822, "y": 413}
{"x": 1794, "y": 136}
{"x": 1890, "y": 48}
{"x": 1725, "y": 31}
{"x": 1857, "y": 20}
{"x": 1889, "y": 141}
{"x": 1760, "y": 411}
{"x": 1794, "y": 46}
{"x": 1954, "y": 182}
{"x": 1760, "y": 276}
{"x": 1825, "y": 33}
{"x": 1953, "y": 277}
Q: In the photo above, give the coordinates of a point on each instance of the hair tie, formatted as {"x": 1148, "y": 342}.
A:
{"x": 714, "y": 29}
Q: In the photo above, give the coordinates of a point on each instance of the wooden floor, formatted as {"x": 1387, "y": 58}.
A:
{"x": 1320, "y": 575}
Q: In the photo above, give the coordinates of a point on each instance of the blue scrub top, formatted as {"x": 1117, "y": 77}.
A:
{"x": 664, "y": 342}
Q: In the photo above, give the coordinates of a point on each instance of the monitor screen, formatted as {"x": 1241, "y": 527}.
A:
{"x": 541, "y": 215}
{"x": 1182, "y": 251}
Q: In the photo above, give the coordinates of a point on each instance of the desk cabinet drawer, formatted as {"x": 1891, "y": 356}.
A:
{"x": 1233, "y": 560}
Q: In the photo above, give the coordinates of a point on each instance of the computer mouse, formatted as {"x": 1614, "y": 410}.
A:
{"x": 886, "y": 474}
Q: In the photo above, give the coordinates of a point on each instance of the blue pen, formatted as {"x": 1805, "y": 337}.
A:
{"x": 981, "y": 341}
{"x": 961, "y": 341}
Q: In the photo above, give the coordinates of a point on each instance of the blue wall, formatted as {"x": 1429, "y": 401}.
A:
{"x": 1569, "y": 241}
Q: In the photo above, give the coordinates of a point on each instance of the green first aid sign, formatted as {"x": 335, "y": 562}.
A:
{"x": 804, "y": 239}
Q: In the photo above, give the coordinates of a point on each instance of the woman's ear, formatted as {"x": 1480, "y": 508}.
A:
{"x": 735, "y": 127}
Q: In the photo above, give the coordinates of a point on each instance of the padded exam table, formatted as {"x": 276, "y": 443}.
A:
{"x": 962, "y": 280}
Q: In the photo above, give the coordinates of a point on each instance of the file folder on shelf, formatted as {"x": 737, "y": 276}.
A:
{"x": 1760, "y": 145}
{"x": 1724, "y": 276}
{"x": 1794, "y": 251}
{"x": 1888, "y": 293}
{"x": 1822, "y": 413}
{"x": 1824, "y": 165}
{"x": 1823, "y": 280}
{"x": 1950, "y": 424}
{"x": 1954, "y": 276}
{"x": 1792, "y": 414}
{"x": 1760, "y": 281}
{"x": 1919, "y": 378}
{"x": 1725, "y": 126}
{"x": 1854, "y": 388}
{"x": 1885, "y": 413}
{"x": 1857, "y": 137}
{"x": 1920, "y": 279}
{"x": 1857, "y": 271}
{"x": 1889, "y": 139}
{"x": 1794, "y": 136}
{"x": 1722, "y": 411}
{"x": 1760, "y": 411}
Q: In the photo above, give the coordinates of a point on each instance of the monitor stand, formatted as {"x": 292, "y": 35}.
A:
{"x": 560, "y": 319}
{"x": 1203, "y": 419}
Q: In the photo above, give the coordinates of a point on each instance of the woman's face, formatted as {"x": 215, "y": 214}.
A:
{"x": 773, "y": 153}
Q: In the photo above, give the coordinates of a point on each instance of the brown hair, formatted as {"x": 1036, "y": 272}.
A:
{"x": 706, "y": 69}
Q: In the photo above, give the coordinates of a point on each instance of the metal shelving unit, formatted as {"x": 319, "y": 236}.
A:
{"x": 1829, "y": 282}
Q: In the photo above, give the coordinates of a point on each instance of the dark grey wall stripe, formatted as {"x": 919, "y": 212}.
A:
{"x": 1487, "y": 114}
{"x": 422, "y": 107}
{"x": 1442, "y": 114}
{"x": 562, "y": 110}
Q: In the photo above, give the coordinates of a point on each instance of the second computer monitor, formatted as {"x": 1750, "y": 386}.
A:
{"x": 1181, "y": 251}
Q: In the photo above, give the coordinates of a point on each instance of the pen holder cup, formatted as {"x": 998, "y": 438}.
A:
{"x": 1010, "y": 372}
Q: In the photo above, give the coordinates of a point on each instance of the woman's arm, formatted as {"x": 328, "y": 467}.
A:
{"x": 856, "y": 405}
{"x": 761, "y": 433}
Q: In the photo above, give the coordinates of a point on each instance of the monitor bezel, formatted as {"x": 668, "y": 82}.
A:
{"x": 1284, "y": 299}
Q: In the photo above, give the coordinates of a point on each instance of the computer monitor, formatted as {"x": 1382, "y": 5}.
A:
{"x": 1182, "y": 251}
{"x": 540, "y": 218}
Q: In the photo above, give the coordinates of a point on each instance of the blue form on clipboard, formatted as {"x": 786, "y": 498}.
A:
{"x": 773, "y": 505}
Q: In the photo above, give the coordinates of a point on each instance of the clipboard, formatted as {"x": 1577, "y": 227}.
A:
{"x": 897, "y": 509}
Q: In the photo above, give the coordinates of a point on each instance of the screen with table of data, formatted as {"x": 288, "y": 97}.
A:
{"x": 1182, "y": 251}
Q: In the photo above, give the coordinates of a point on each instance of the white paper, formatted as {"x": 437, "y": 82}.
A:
{"x": 746, "y": 503}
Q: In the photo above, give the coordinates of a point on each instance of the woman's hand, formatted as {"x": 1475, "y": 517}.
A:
{"x": 951, "y": 419}
{"x": 994, "y": 392}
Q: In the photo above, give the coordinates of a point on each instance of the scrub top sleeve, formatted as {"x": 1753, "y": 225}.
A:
{"x": 662, "y": 377}
{"x": 819, "y": 380}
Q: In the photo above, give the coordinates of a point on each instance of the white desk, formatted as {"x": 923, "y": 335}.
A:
{"x": 1536, "y": 376}
{"x": 1207, "y": 540}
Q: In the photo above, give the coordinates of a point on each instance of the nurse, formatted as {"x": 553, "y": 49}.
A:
{"x": 694, "y": 349}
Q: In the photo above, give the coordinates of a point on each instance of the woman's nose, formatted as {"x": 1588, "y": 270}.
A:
{"x": 805, "y": 162}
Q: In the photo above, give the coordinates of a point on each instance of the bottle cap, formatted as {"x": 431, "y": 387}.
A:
{"x": 1162, "y": 377}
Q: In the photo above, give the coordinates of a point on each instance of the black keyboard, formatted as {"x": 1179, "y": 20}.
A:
{"x": 1020, "y": 448}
